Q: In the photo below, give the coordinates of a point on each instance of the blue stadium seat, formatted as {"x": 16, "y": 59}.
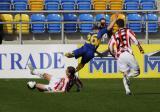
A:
{"x": 52, "y": 4}
{"x": 68, "y": 4}
{"x": 148, "y": 4}
{"x": 131, "y": 4}
{"x": 86, "y": 27}
{"x": 54, "y": 27}
{"x": 152, "y": 22}
{"x": 84, "y": 5}
{"x": 100, "y": 16}
{"x": 5, "y": 4}
{"x": 134, "y": 22}
{"x": 20, "y": 4}
{"x": 70, "y": 27}
{"x": 38, "y": 27}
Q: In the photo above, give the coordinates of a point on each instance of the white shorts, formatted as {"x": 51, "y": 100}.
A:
{"x": 52, "y": 84}
{"x": 127, "y": 61}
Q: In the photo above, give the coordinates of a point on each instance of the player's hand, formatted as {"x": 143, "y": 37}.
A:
{"x": 141, "y": 51}
{"x": 79, "y": 89}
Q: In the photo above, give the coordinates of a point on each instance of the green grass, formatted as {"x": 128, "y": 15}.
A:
{"x": 98, "y": 95}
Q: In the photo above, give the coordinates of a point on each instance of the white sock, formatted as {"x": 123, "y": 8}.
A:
{"x": 35, "y": 72}
{"x": 133, "y": 73}
{"x": 126, "y": 86}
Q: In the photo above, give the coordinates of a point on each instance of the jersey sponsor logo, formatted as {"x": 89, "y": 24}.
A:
{"x": 106, "y": 65}
{"x": 152, "y": 61}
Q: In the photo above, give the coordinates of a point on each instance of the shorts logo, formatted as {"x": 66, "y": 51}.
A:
{"x": 106, "y": 65}
{"x": 152, "y": 61}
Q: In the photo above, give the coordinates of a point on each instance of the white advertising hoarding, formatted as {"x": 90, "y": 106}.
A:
{"x": 45, "y": 58}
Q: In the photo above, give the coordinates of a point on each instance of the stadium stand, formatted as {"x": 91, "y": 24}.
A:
{"x": 52, "y": 4}
{"x": 98, "y": 17}
{"x": 54, "y": 27}
{"x": 134, "y": 22}
{"x": 131, "y": 5}
{"x": 86, "y": 27}
{"x": 37, "y": 27}
{"x": 5, "y": 4}
{"x": 24, "y": 27}
{"x": 70, "y": 27}
{"x": 36, "y": 4}
{"x": 148, "y": 4}
{"x": 115, "y": 4}
{"x": 20, "y": 4}
{"x": 7, "y": 28}
{"x": 68, "y": 4}
{"x": 152, "y": 22}
{"x": 99, "y": 4}
{"x": 84, "y": 5}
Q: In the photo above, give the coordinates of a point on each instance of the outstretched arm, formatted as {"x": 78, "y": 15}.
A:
{"x": 71, "y": 83}
{"x": 113, "y": 22}
{"x": 133, "y": 38}
{"x": 79, "y": 84}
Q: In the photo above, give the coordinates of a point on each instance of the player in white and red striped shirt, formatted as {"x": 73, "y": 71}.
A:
{"x": 63, "y": 84}
{"x": 120, "y": 48}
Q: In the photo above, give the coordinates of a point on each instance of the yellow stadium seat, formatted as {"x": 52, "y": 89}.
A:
{"x": 120, "y": 16}
{"x": 116, "y": 4}
{"x": 36, "y": 5}
{"x": 24, "y": 27}
{"x": 7, "y": 28}
{"x": 99, "y": 4}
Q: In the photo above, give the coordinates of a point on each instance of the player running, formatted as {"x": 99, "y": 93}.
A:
{"x": 120, "y": 48}
{"x": 55, "y": 85}
{"x": 88, "y": 50}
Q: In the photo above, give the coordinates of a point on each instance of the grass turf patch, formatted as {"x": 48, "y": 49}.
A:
{"x": 98, "y": 95}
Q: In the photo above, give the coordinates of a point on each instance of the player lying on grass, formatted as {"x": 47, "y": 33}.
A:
{"x": 120, "y": 48}
{"x": 63, "y": 84}
{"x": 88, "y": 50}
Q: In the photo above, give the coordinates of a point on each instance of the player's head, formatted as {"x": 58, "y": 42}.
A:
{"x": 120, "y": 23}
{"x": 102, "y": 22}
{"x": 70, "y": 71}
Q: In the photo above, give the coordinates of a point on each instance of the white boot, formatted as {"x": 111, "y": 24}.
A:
{"x": 31, "y": 68}
{"x": 34, "y": 72}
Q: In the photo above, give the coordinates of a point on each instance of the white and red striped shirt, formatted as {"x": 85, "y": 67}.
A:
{"x": 59, "y": 85}
{"x": 121, "y": 41}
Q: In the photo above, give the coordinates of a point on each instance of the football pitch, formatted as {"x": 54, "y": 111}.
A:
{"x": 98, "y": 95}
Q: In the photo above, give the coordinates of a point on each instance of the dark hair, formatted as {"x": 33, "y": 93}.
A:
{"x": 71, "y": 70}
{"x": 120, "y": 23}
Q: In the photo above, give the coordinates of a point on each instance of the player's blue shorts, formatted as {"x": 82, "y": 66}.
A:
{"x": 86, "y": 52}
